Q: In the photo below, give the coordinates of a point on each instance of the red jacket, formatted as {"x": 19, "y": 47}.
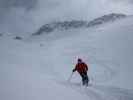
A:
{"x": 81, "y": 68}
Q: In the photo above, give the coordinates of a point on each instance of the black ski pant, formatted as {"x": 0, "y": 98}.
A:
{"x": 85, "y": 78}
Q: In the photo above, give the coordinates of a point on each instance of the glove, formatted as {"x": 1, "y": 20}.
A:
{"x": 73, "y": 70}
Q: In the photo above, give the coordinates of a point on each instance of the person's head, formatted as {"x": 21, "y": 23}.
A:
{"x": 79, "y": 60}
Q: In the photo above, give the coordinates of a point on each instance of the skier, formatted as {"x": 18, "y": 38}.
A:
{"x": 82, "y": 69}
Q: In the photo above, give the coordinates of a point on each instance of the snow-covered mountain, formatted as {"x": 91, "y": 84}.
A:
{"x": 39, "y": 69}
{"x": 106, "y": 18}
{"x": 74, "y": 24}
{"x": 66, "y": 25}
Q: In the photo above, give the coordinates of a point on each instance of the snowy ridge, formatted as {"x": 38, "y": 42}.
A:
{"x": 106, "y": 18}
{"x": 75, "y": 24}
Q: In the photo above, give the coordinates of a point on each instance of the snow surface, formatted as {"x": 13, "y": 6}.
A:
{"x": 38, "y": 67}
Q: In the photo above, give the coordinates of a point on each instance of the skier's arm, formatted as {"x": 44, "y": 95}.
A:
{"x": 75, "y": 68}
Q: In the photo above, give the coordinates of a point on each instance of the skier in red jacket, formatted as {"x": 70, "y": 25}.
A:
{"x": 82, "y": 69}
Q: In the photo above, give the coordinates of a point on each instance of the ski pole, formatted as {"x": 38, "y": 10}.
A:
{"x": 70, "y": 77}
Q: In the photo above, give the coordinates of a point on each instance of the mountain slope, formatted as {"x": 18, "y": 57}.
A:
{"x": 38, "y": 70}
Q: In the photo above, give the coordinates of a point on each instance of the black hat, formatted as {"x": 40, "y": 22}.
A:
{"x": 79, "y": 60}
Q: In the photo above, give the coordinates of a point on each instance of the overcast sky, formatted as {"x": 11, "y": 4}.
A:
{"x": 27, "y": 15}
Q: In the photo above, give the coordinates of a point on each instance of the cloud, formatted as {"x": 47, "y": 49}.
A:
{"x": 17, "y": 3}
{"x": 27, "y": 15}
{"x": 125, "y": 1}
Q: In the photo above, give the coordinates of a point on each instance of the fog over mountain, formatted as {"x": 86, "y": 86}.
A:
{"x": 42, "y": 40}
{"x": 21, "y": 16}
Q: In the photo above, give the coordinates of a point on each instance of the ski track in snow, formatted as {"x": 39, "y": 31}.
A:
{"x": 100, "y": 92}
{"x": 68, "y": 51}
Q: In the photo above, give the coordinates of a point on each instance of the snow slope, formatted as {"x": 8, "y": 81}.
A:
{"x": 37, "y": 68}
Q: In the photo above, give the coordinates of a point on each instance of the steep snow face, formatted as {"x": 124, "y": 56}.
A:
{"x": 106, "y": 48}
{"x": 116, "y": 43}
{"x": 37, "y": 68}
